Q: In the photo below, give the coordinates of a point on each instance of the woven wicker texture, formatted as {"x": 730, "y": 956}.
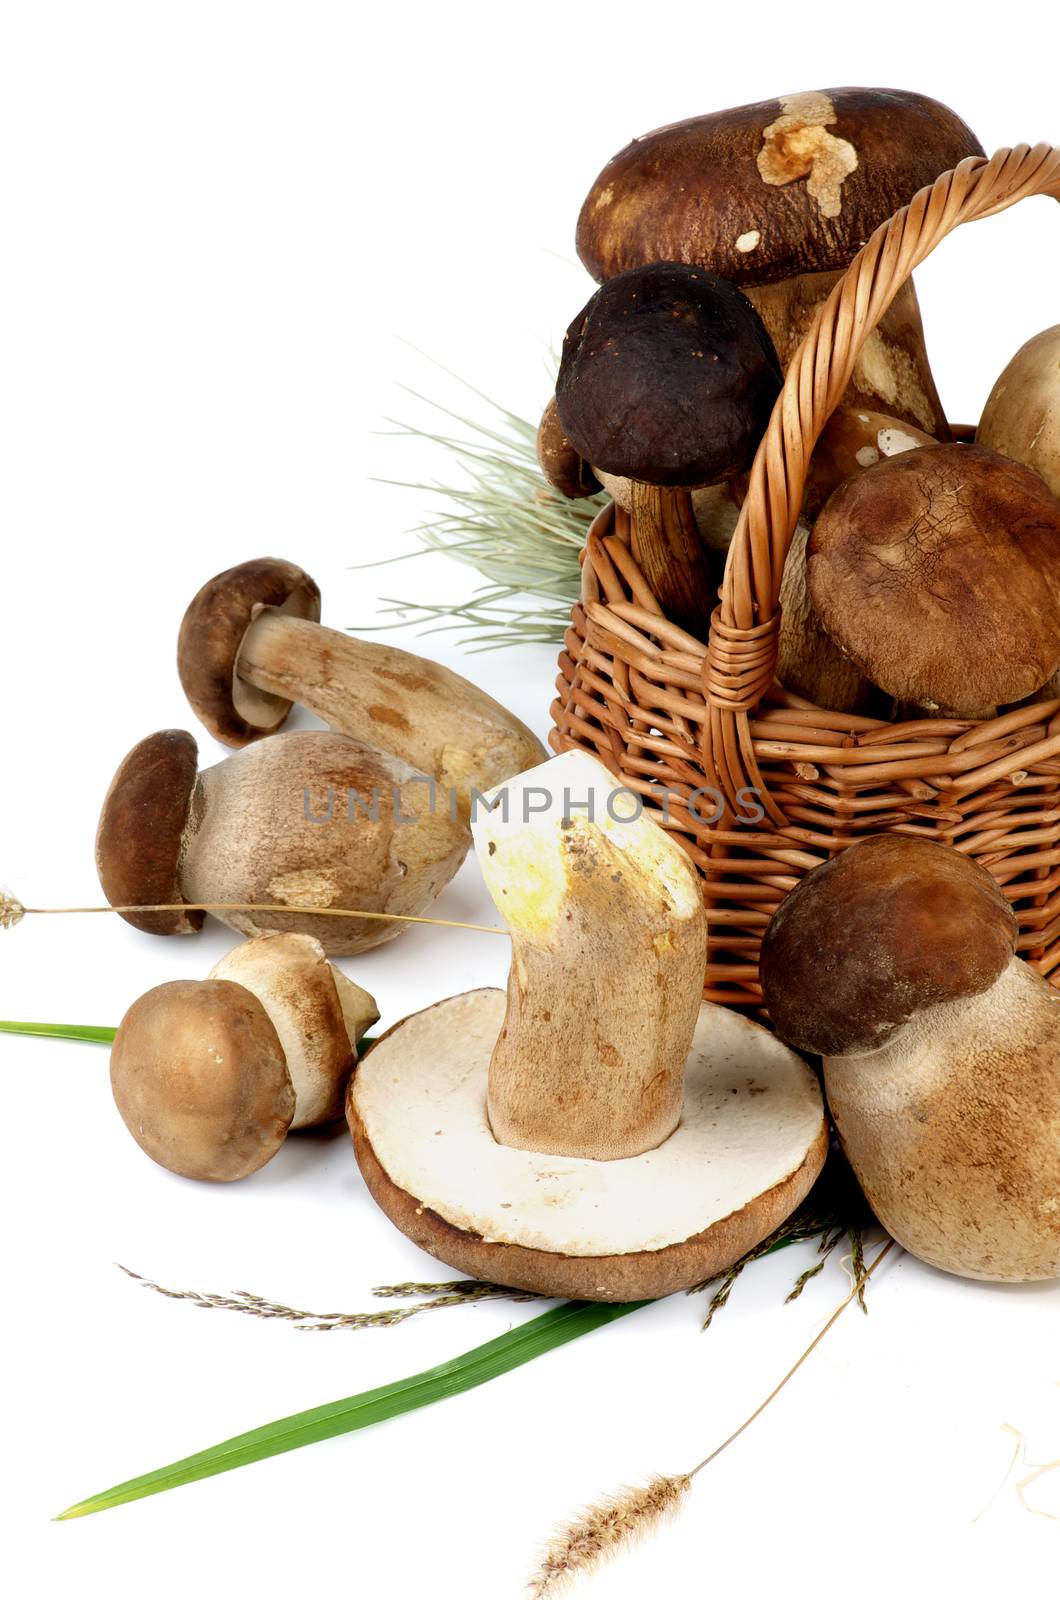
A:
{"x": 704, "y": 732}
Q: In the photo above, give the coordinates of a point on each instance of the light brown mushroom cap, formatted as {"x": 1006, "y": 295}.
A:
{"x": 211, "y": 636}
{"x": 199, "y": 1077}
{"x": 938, "y": 573}
{"x": 561, "y": 464}
{"x": 141, "y": 831}
{"x": 751, "y": 1141}
{"x": 1022, "y": 416}
{"x": 318, "y": 1013}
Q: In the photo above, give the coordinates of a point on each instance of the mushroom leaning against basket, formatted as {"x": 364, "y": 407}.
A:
{"x": 306, "y": 818}
{"x": 1022, "y": 416}
{"x": 599, "y": 1133}
{"x": 667, "y": 379}
{"x": 938, "y": 574}
{"x": 210, "y": 1077}
{"x": 895, "y": 962}
{"x": 251, "y": 643}
{"x": 778, "y": 197}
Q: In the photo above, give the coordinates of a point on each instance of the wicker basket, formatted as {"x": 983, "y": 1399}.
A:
{"x": 704, "y": 724}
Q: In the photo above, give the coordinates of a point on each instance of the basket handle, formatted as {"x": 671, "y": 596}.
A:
{"x": 742, "y": 649}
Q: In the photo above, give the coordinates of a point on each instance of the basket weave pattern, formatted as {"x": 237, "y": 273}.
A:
{"x": 704, "y": 732}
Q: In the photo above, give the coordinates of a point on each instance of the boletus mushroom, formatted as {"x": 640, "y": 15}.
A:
{"x": 895, "y": 962}
{"x": 1022, "y": 415}
{"x": 937, "y": 573}
{"x": 251, "y": 643}
{"x": 599, "y": 1132}
{"x": 778, "y": 197}
{"x": 561, "y": 465}
{"x": 210, "y": 1077}
{"x": 305, "y": 818}
{"x": 667, "y": 379}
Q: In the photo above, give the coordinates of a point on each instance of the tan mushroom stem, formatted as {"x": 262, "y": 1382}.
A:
{"x": 892, "y": 372}
{"x": 715, "y": 506}
{"x": 671, "y": 554}
{"x": 416, "y": 709}
{"x": 608, "y": 949}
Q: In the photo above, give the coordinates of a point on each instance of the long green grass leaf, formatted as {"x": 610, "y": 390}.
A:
{"x": 61, "y": 1030}
{"x": 491, "y": 1360}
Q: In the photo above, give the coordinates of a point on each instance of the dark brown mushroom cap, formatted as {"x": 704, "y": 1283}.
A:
{"x": 668, "y": 376}
{"x": 141, "y": 831}
{"x": 938, "y": 573}
{"x": 562, "y": 466}
{"x": 870, "y": 938}
{"x": 210, "y": 638}
{"x": 200, "y": 1079}
{"x": 771, "y": 190}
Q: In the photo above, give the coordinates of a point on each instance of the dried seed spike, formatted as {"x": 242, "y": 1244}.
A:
{"x": 11, "y": 911}
{"x": 603, "y": 1529}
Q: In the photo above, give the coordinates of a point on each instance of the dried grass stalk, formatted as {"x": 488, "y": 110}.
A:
{"x": 610, "y": 1525}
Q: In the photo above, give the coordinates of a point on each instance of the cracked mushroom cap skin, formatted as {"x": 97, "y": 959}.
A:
{"x": 212, "y": 633}
{"x": 200, "y": 1079}
{"x": 938, "y": 573}
{"x": 668, "y": 376}
{"x": 723, "y": 191}
{"x": 887, "y": 928}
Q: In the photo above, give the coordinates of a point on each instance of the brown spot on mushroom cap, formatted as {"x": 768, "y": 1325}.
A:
{"x": 561, "y": 464}
{"x": 199, "y": 1077}
{"x": 938, "y": 573}
{"x": 692, "y": 191}
{"x": 211, "y": 635}
{"x": 141, "y": 830}
{"x": 668, "y": 376}
{"x": 870, "y": 938}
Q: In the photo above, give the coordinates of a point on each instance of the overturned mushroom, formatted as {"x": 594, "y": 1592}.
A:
{"x": 779, "y": 197}
{"x": 210, "y": 1077}
{"x": 304, "y": 819}
{"x": 600, "y": 1132}
{"x": 938, "y": 574}
{"x": 668, "y": 379}
{"x": 251, "y": 644}
{"x": 941, "y": 1050}
{"x": 1022, "y": 416}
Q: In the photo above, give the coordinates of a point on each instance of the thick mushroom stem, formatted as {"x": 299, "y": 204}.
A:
{"x": 416, "y": 709}
{"x": 608, "y": 949}
{"x": 892, "y": 372}
{"x": 671, "y": 554}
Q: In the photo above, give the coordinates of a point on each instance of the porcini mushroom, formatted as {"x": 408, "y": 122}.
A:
{"x": 210, "y": 1077}
{"x": 895, "y": 961}
{"x": 779, "y": 197}
{"x": 599, "y": 1132}
{"x": 667, "y": 379}
{"x": 251, "y": 644}
{"x": 938, "y": 573}
{"x": 562, "y": 466}
{"x": 305, "y": 818}
{"x": 1022, "y": 416}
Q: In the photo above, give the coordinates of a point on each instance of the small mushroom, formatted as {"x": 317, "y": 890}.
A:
{"x": 210, "y": 1077}
{"x": 560, "y": 463}
{"x": 895, "y": 962}
{"x": 306, "y": 818}
{"x": 938, "y": 574}
{"x": 1022, "y": 415}
{"x": 599, "y": 1132}
{"x": 778, "y": 197}
{"x": 667, "y": 379}
{"x": 251, "y": 643}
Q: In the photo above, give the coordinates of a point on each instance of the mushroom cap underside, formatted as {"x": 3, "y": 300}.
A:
{"x": 750, "y": 1143}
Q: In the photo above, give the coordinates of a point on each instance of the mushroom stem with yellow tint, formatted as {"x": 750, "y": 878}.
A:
{"x": 306, "y": 818}
{"x": 251, "y": 643}
{"x": 599, "y": 1132}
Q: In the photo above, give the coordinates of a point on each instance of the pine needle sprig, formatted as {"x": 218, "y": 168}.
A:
{"x": 457, "y": 1292}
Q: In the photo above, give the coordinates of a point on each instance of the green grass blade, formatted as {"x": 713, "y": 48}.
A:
{"x": 512, "y": 1349}
{"x": 61, "y": 1030}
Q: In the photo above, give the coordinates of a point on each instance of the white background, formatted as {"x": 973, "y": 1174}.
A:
{"x": 220, "y": 222}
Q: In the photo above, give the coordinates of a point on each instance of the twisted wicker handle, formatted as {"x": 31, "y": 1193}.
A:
{"x": 744, "y": 630}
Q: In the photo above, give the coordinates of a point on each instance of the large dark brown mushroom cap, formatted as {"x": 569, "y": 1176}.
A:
{"x": 141, "y": 831}
{"x": 210, "y": 638}
{"x": 870, "y": 938}
{"x": 938, "y": 573}
{"x": 771, "y": 190}
{"x": 200, "y": 1079}
{"x": 668, "y": 376}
